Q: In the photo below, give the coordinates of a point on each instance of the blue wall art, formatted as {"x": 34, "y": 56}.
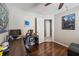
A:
{"x": 68, "y": 22}
{"x": 26, "y": 23}
{"x": 4, "y": 20}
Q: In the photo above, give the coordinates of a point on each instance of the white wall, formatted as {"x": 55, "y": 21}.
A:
{"x": 66, "y": 37}
{"x": 16, "y": 21}
{"x": 17, "y": 18}
{"x": 20, "y": 15}
{"x": 40, "y": 29}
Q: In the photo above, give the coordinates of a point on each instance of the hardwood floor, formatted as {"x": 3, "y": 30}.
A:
{"x": 44, "y": 49}
{"x": 59, "y": 50}
{"x": 49, "y": 49}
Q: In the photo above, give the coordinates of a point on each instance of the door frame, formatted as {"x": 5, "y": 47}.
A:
{"x": 36, "y": 25}
{"x": 50, "y": 20}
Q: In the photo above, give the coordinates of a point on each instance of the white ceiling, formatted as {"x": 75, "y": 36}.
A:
{"x": 41, "y": 9}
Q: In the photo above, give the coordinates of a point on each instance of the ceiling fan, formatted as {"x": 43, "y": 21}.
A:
{"x": 60, "y": 5}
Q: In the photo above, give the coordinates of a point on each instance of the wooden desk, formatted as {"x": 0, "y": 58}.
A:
{"x": 17, "y": 48}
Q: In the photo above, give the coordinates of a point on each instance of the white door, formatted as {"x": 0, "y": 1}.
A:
{"x": 47, "y": 28}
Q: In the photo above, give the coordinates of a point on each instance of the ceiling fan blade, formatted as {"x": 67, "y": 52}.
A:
{"x": 60, "y": 5}
{"x": 47, "y": 4}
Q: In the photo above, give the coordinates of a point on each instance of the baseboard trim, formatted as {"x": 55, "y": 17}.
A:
{"x": 61, "y": 44}
{"x": 45, "y": 41}
{"x": 41, "y": 42}
{"x": 56, "y": 42}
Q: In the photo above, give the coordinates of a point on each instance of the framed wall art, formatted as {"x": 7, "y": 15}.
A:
{"x": 68, "y": 22}
{"x": 4, "y": 20}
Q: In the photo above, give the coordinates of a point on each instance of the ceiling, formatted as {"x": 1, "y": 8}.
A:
{"x": 41, "y": 9}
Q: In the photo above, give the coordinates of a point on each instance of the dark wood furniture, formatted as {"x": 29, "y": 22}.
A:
{"x": 17, "y": 48}
{"x": 15, "y": 32}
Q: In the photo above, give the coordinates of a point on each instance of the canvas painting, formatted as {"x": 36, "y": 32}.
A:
{"x": 68, "y": 22}
{"x": 26, "y": 23}
{"x": 4, "y": 20}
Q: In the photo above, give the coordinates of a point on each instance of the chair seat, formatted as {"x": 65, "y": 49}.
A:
{"x": 74, "y": 47}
